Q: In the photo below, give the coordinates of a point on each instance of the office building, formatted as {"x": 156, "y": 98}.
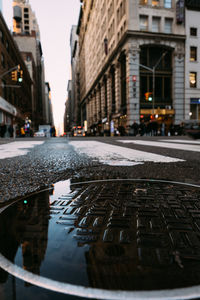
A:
{"x": 132, "y": 62}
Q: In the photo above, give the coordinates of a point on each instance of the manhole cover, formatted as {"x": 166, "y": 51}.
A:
{"x": 135, "y": 236}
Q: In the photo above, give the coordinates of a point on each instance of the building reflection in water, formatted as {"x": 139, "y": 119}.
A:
{"x": 111, "y": 235}
{"x": 24, "y": 227}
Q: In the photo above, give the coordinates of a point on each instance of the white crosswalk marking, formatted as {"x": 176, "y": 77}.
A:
{"x": 17, "y": 148}
{"x": 118, "y": 156}
{"x": 182, "y": 141}
{"x": 176, "y": 146}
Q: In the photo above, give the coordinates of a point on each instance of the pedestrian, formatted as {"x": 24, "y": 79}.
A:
{"x": 154, "y": 127}
{"x": 122, "y": 130}
{"x": 3, "y": 130}
{"x": 162, "y": 129}
{"x": 53, "y": 131}
{"x": 10, "y": 130}
{"x": 22, "y": 132}
{"x": 142, "y": 128}
{"x": 135, "y": 127}
{"x": 149, "y": 128}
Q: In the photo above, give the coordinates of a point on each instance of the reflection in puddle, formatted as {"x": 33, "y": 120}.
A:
{"x": 116, "y": 235}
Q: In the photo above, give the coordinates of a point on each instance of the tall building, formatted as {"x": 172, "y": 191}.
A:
{"x": 75, "y": 97}
{"x": 24, "y": 19}
{"x": 1, "y": 6}
{"x": 15, "y": 97}
{"x": 192, "y": 63}
{"x": 131, "y": 62}
{"x": 27, "y": 36}
{"x": 48, "y": 103}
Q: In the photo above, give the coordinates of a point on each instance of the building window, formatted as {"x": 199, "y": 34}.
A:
{"x": 193, "y": 31}
{"x": 149, "y": 56}
{"x": 2, "y": 61}
{"x": 195, "y": 111}
{"x": 1, "y": 37}
{"x": 156, "y": 24}
{"x": 7, "y": 46}
{"x": 193, "y": 79}
{"x": 168, "y": 3}
{"x": 26, "y": 9}
{"x": 168, "y": 25}
{"x": 4, "y": 94}
{"x": 193, "y": 53}
{"x": 144, "y": 23}
{"x": 143, "y": 2}
{"x": 26, "y": 27}
{"x": 1, "y": 117}
{"x": 113, "y": 90}
{"x": 26, "y": 22}
{"x": 26, "y": 16}
{"x": 155, "y": 2}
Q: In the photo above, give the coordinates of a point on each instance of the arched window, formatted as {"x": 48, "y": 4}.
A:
{"x": 159, "y": 58}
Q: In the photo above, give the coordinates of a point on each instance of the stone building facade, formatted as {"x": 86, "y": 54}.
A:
{"x": 68, "y": 114}
{"x": 48, "y": 105}
{"x": 15, "y": 98}
{"x": 192, "y": 62}
{"x": 132, "y": 62}
{"x": 27, "y": 36}
{"x": 75, "y": 99}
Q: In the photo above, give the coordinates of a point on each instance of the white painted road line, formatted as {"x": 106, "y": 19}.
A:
{"x": 184, "y": 147}
{"x": 182, "y": 141}
{"x": 118, "y": 156}
{"x": 17, "y": 148}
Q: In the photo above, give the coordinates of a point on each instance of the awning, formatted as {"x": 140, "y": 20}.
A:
{"x": 7, "y": 107}
{"x": 157, "y": 111}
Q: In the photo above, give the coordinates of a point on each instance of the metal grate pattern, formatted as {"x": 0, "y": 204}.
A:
{"x": 142, "y": 234}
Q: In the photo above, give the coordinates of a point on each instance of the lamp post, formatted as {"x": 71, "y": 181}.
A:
{"x": 153, "y": 70}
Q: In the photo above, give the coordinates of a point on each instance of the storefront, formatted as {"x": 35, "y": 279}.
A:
{"x": 195, "y": 108}
{"x": 8, "y": 113}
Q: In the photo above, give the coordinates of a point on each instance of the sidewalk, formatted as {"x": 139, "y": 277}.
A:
{"x": 7, "y": 140}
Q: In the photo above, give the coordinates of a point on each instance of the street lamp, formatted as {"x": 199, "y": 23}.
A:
{"x": 153, "y": 75}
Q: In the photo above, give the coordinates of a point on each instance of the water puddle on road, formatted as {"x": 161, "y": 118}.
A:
{"x": 95, "y": 238}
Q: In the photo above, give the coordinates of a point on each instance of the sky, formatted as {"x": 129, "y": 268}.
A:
{"x": 55, "y": 19}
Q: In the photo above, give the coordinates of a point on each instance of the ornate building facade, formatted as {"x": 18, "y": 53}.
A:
{"x": 26, "y": 34}
{"x": 132, "y": 62}
{"x": 15, "y": 97}
{"x": 192, "y": 63}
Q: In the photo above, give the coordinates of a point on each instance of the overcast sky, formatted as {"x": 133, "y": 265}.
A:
{"x": 55, "y": 19}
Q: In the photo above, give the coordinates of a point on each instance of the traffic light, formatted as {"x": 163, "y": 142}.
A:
{"x": 20, "y": 76}
{"x": 14, "y": 75}
{"x": 148, "y": 96}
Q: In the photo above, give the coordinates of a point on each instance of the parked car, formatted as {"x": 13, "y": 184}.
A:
{"x": 192, "y": 128}
{"x": 40, "y": 133}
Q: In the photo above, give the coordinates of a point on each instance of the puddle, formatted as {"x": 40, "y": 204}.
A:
{"x": 95, "y": 238}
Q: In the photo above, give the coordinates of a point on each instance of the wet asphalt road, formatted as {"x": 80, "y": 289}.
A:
{"x": 82, "y": 241}
{"x": 56, "y": 160}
